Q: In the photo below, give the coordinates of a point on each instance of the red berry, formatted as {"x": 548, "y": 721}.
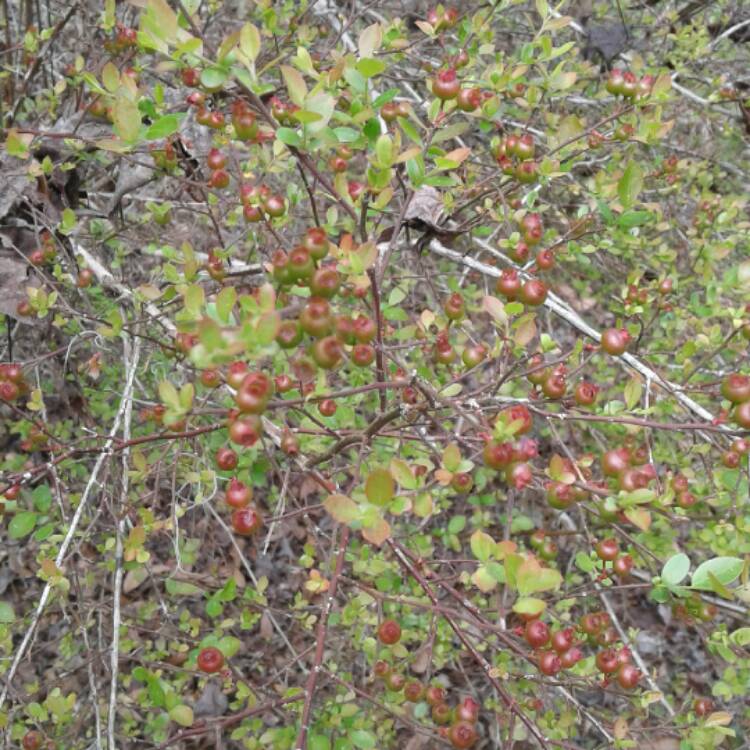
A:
{"x": 226, "y": 459}
{"x": 533, "y": 292}
{"x": 414, "y": 691}
{"x": 562, "y": 640}
{"x": 395, "y": 681}
{"x": 536, "y": 633}
{"x": 623, "y": 565}
{"x": 497, "y": 455}
{"x": 736, "y": 388}
{"x": 446, "y": 85}
{"x": 245, "y": 431}
{"x": 571, "y": 657}
{"x": 327, "y": 407}
{"x": 32, "y": 740}
{"x": 238, "y": 494}
{"x": 246, "y": 521}
{"x": 615, "y": 341}
{"x": 615, "y": 461}
{"x": 703, "y": 706}
{"x": 741, "y": 415}
{"x": 462, "y": 735}
{"x": 363, "y": 355}
{"x": 607, "y": 661}
{"x": 435, "y": 695}
{"x": 585, "y": 393}
{"x": 467, "y": 709}
{"x": 389, "y": 632}
{"x": 442, "y": 714}
{"x": 210, "y": 660}
{"x": 519, "y": 475}
{"x": 509, "y": 284}
{"x": 607, "y": 549}
{"x": 628, "y": 676}
{"x": 549, "y": 663}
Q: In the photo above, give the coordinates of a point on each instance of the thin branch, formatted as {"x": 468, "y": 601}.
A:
{"x": 131, "y": 362}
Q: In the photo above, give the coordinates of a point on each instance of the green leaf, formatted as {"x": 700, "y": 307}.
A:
{"x": 187, "y": 394}
{"x": 42, "y": 498}
{"x": 451, "y": 457}
{"x": 110, "y": 77}
{"x": 22, "y": 524}
{"x": 164, "y": 126}
{"x": 739, "y": 637}
{"x": 410, "y": 130}
{"x": 380, "y": 487}
{"x": 675, "y": 569}
{"x": 531, "y": 577}
{"x": 528, "y": 605}
{"x": 630, "y": 184}
{"x": 229, "y": 645}
{"x": 362, "y": 739}
{"x": 306, "y": 117}
{"x": 214, "y": 78}
{"x": 369, "y": 67}
{"x": 403, "y": 474}
{"x": 483, "y": 546}
{"x": 384, "y": 151}
{"x": 225, "y": 301}
{"x": 633, "y": 392}
{"x": 182, "y": 715}
{"x": 725, "y": 569}
{"x": 182, "y": 588}
{"x": 17, "y": 144}
{"x": 385, "y": 97}
{"x": 346, "y": 135}
{"x": 634, "y": 219}
{"x": 7, "y": 613}
{"x": 126, "y": 118}
{"x": 289, "y": 136}
{"x": 267, "y": 327}
{"x": 169, "y": 396}
{"x": 250, "y": 41}
{"x": 195, "y": 298}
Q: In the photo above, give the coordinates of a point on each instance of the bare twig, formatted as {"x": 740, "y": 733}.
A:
{"x": 131, "y": 362}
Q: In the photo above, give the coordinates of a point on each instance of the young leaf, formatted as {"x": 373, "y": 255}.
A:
{"x": 675, "y": 569}
{"x": 250, "y": 41}
{"x": 630, "y": 184}
{"x": 725, "y": 569}
{"x": 295, "y": 84}
{"x": 482, "y": 546}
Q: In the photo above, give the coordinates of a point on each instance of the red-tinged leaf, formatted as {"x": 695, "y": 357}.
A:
{"x": 342, "y": 508}
{"x": 378, "y": 532}
{"x": 639, "y": 517}
{"x": 495, "y": 308}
